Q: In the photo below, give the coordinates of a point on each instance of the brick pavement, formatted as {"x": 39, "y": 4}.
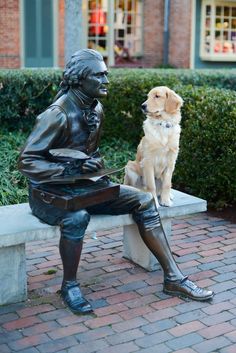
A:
{"x": 132, "y": 314}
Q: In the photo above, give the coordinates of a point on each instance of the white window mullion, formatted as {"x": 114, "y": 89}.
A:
{"x": 110, "y": 39}
{"x": 224, "y": 49}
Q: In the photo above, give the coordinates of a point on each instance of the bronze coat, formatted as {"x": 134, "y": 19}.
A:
{"x": 67, "y": 123}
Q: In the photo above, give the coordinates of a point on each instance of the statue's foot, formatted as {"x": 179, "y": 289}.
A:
{"x": 187, "y": 288}
{"x": 72, "y": 297}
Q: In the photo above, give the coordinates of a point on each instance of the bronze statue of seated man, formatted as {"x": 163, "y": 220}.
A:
{"x": 73, "y": 121}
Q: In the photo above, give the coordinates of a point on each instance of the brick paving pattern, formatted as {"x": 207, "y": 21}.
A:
{"x": 132, "y": 314}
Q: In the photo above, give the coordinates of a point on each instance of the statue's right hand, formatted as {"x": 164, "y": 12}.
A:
{"x": 91, "y": 165}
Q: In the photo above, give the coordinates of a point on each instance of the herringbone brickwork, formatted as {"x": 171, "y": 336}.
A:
{"x": 132, "y": 314}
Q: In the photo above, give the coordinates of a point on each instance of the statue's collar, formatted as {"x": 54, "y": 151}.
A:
{"x": 80, "y": 99}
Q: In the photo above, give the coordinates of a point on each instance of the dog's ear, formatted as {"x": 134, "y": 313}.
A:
{"x": 173, "y": 102}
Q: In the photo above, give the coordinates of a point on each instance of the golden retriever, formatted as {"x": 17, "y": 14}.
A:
{"x": 158, "y": 150}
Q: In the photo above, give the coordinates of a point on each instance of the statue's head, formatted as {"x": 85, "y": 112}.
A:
{"x": 86, "y": 71}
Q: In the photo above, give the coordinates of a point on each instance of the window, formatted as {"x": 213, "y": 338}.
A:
{"x": 218, "y": 37}
{"x": 38, "y": 33}
{"x": 128, "y": 25}
{"x": 115, "y": 26}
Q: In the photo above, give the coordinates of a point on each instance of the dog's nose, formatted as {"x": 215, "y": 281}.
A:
{"x": 144, "y": 106}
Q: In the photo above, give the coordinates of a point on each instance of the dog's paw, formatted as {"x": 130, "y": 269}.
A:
{"x": 166, "y": 203}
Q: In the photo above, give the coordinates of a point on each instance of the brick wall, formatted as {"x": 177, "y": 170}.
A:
{"x": 180, "y": 26}
{"x": 153, "y": 32}
{"x": 61, "y": 33}
{"x": 9, "y": 34}
{"x": 180, "y": 33}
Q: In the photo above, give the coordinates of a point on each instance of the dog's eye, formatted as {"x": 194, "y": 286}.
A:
{"x": 157, "y": 96}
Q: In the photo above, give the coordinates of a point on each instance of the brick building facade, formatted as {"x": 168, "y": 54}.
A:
{"x": 184, "y": 47}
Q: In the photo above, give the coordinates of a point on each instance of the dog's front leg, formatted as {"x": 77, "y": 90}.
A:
{"x": 165, "y": 197}
{"x": 149, "y": 179}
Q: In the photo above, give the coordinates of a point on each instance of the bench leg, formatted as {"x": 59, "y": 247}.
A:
{"x": 13, "y": 286}
{"x": 135, "y": 250}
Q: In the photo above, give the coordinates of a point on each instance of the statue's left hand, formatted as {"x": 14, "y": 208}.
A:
{"x": 92, "y": 165}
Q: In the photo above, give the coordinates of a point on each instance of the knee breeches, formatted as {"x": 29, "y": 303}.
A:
{"x": 73, "y": 224}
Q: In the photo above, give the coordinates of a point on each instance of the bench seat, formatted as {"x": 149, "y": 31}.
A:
{"x": 19, "y": 226}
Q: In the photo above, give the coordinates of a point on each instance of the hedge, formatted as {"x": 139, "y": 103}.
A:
{"x": 26, "y": 93}
{"x": 206, "y": 165}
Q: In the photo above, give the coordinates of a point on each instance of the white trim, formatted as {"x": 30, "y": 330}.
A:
{"x": 193, "y": 35}
{"x": 219, "y": 57}
{"x": 212, "y": 56}
{"x": 110, "y": 36}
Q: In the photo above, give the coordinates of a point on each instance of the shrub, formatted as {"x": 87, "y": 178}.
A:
{"x": 26, "y": 93}
{"x": 13, "y": 185}
{"x": 206, "y": 163}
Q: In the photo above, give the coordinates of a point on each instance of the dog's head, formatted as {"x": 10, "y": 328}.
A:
{"x": 161, "y": 99}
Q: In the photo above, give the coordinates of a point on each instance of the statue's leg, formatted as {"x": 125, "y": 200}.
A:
{"x": 73, "y": 227}
{"x": 142, "y": 206}
{"x": 152, "y": 233}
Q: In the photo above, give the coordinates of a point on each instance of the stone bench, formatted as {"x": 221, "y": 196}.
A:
{"x": 18, "y": 226}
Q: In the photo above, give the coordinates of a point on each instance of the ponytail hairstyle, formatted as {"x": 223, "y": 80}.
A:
{"x": 77, "y": 69}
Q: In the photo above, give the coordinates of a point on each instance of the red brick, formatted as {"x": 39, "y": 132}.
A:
{"x": 191, "y": 250}
{"x": 129, "y": 324}
{"x": 132, "y": 313}
{"x": 35, "y": 310}
{"x": 130, "y": 335}
{"x": 111, "y": 309}
{"x": 161, "y": 314}
{"x": 231, "y": 336}
{"x": 103, "y": 321}
{"x": 140, "y": 276}
{"x": 21, "y": 323}
{"x": 218, "y": 308}
{"x": 209, "y": 253}
{"x": 171, "y": 302}
{"x": 180, "y": 226}
{"x": 72, "y": 319}
{"x": 187, "y": 328}
{"x": 212, "y": 240}
{"x": 103, "y": 294}
{"x": 215, "y": 229}
{"x": 67, "y": 331}
{"x": 121, "y": 297}
{"x": 144, "y": 300}
{"x": 29, "y": 342}
{"x": 203, "y": 274}
{"x": 40, "y": 328}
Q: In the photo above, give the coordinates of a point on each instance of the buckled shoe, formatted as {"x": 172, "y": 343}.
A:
{"x": 72, "y": 297}
{"x": 187, "y": 288}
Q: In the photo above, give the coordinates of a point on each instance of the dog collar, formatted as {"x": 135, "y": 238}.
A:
{"x": 166, "y": 124}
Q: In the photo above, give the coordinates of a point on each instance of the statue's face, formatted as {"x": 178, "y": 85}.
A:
{"x": 95, "y": 84}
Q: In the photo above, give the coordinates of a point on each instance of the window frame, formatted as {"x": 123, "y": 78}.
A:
{"x": 55, "y": 6}
{"x": 212, "y": 56}
{"x": 110, "y": 36}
